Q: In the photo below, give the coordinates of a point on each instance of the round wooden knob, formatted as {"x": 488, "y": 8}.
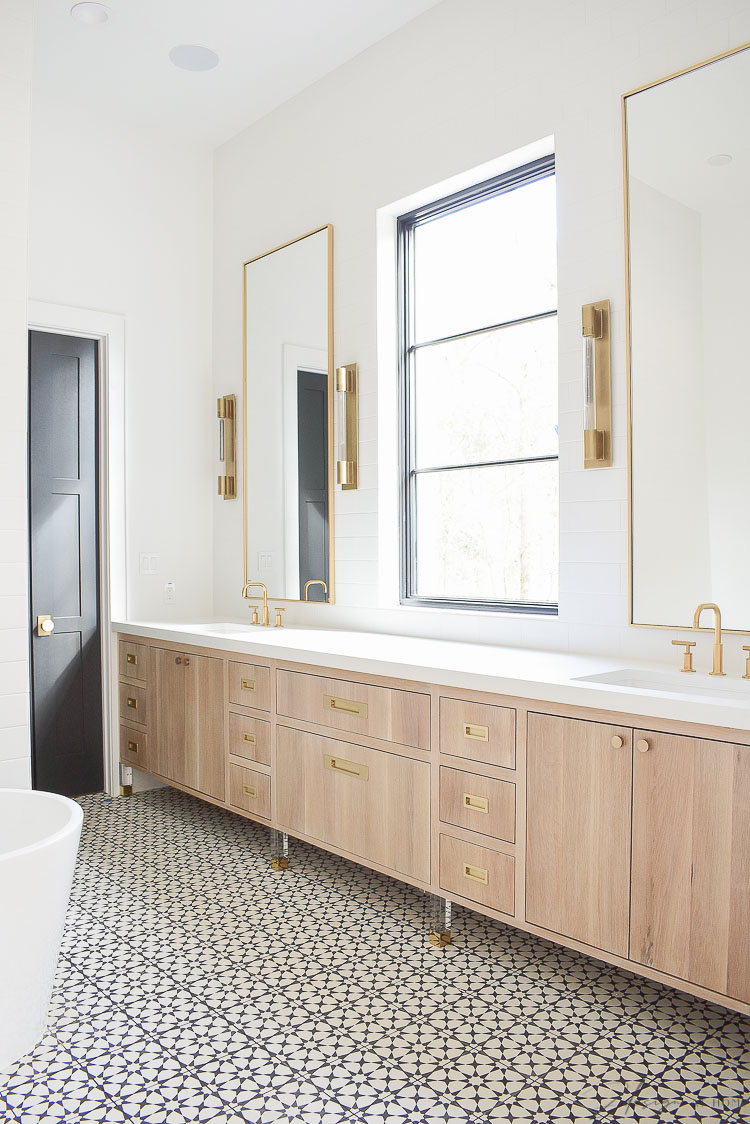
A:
{"x": 617, "y": 742}
{"x": 643, "y": 745}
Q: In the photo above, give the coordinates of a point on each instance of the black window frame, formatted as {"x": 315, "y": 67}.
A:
{"x": 407, "y": 224}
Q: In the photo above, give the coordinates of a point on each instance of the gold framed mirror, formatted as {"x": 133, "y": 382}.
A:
{"x": 288, "y": 418}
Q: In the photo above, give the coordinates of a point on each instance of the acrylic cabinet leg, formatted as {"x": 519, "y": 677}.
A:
{"x": 279, "y": 850}
{"x": 126, "y": 780}
{"x": 440, "y": 921}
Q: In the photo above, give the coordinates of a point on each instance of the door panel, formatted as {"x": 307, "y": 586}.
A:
{"x": 204, "y": 723}
{"x": 66, "y": 666}
{"x": 168, "y": 710}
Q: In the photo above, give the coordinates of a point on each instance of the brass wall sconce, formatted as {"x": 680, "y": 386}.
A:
{"x": 347, "y": 452}
{"x": 226, "y": 413}
{"x": 597, "y": 386}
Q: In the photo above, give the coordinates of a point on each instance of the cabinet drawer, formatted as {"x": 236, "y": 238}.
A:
{"x": 133, "y": 702}
{"x": 133, "y": 747}
{"x": 250, "y": 738}
{"x": 133, "y": 660}
{"x": 357, "y": 708}
{"x": 366, "y": 801}
{"x": 479, "y": 732}
{"x": 250, "y": 685}
{"x": 250, "y": 791}
{"x": 477, "y": 873}
{"x": 479, "y": 803}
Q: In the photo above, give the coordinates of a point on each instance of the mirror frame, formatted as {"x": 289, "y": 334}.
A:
{"x": 628, "y": 363}
{"x": 331, "y": 386}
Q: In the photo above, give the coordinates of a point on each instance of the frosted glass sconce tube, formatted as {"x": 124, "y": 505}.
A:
{"x": 597, "y": 386}
{"x": 347, "y": 453}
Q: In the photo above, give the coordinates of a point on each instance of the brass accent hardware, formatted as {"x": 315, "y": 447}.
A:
{"x": 249, "y": 738}
{"x": 226, "y": 413}
{"x": 314, "y": 581}
{"x": 133, "y": 747}
{"x": 132, "y": 703}
{"x": 351, "y": 768}
{"x": 178, "y": 659}
{"x": 476, "y": 873}
{"x": 345, "y": 706}
{"x": 132, "y": 658}
{"x": 255, "y": 617}
{"x": 248, "y": 684}
{"x": 617, "y": 742}
{"x": 265, "y": 621}
{"x": 278, "y": 622}
{"x": 718, "y": 665}
{"x": 746, "y": 648}
{"x": 687, "y": 655}
{"x": 126, "y": 790}
{"x": 347, "y": 462}
{"x": 249, "y": 790}
{"x": 597, "y": 386}
{"x": 642, "y": 745}
{"x": 44, "y": 625}
{"x": 477, "y": 733}
{"x": 476, "y": 803}
{"x": 186, "y": 661}
{"x": 280, "y": 864}
{"x": 440, "y": 940}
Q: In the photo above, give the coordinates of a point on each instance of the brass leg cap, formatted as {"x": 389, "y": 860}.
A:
{"x": 126, "y": 790}
{"x": 279, "y": 864}
{"x": 440, "y": 940}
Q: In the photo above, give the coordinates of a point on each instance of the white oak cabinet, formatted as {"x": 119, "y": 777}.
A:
{"x": 186, "y": 734}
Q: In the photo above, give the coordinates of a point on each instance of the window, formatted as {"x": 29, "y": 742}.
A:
{"x": 478, "y": 296}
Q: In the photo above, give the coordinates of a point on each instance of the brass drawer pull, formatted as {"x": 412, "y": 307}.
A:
{"x": 476, "y": 873}
{"x": 476, "y": 803}
{"x": 345, "y": 706}
{"x": 131, "y": 658}
{"x": 249, "y": 790}
{"x": 476, "y": 733}
{"x": 351, "y": 768}
{"x": 133, "y": 747}
{"x": 132, "y": 703}
{"x": 249, "y": 738}
{"x": 248, "y": 684}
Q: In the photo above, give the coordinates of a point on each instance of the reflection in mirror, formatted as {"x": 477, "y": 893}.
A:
{"x": 688, "y": 188}
{"x": 288, "y": 405}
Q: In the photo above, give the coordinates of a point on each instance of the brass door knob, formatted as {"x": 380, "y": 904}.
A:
{"x": 617, "y": 742}
{"x": 642, "y": 745}
{"x": 44, "y": 625}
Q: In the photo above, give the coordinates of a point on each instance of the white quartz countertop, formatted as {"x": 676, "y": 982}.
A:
{"x": 552, "y": 677}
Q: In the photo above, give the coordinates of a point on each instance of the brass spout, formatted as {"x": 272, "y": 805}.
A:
{"x": 265, "y": 620}
{"x": 314, "y": 581}
{"x": 718, "y": 668}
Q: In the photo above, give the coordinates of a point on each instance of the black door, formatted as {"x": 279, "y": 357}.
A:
{"x": 312, "y": 459}
{"x": 67, "y": 741}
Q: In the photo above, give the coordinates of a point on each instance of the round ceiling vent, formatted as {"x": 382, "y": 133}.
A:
{"x": 191, "y": 57}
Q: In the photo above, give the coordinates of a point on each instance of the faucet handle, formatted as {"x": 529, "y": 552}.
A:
{"x": 746, "y": 648}
{"x": 278, "y": 612}
{"x": 687, "y": 656}
{"x": 256, "y": 619}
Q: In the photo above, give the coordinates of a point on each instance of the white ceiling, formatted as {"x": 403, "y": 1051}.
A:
{"x": 269, "y": 50}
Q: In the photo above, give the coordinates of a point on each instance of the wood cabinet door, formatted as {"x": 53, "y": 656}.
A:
{"x": 691, "y": 860}
{"x": 579, "y": 788}
{"x": 167, "y": 726}
{"x": 204, "y": 725}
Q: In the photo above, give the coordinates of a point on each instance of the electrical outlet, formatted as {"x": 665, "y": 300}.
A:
{"x": 170, "y": 592}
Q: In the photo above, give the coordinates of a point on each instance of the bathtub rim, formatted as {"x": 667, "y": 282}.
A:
{"x": 74, "y": 823}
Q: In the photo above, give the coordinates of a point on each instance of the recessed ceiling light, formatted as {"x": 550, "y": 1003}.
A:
{"x": 90, "y": 12}
{"x": 719, "y": 160}
{"x": 191, "y": 57}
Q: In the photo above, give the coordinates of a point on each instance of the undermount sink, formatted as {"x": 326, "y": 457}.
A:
{"x": 674, "y": 683}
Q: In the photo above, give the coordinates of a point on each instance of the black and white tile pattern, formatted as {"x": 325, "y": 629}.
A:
{"x": 197, "y": 985}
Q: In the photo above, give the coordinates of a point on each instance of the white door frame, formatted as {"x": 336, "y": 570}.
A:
{"x": 109, "y": 331}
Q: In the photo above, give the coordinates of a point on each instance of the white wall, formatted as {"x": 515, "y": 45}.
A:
{"x": 122, "y": 223}
{"x": 458, "y": 87}
{"x": 15, "y": 100}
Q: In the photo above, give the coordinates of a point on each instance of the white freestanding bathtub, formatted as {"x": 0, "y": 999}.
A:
{"x": 39, "y": 835}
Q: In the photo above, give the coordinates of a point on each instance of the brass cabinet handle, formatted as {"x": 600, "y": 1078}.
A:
{"x": 476, "y": 873}
{"x": 643, "y": 745}
{"x": 351, "y": 768}
{"x": 476, "y": 733}
{"x": 345, "y": 706}
{"x": 133, "y": 747}
{"x": 476, "y": 803}
{"x": 617, "y": 742}
{"x": 249, "y": 738}
{"x": 132, "y": 703}
{"x": 248, "y": 684}
{"x": 249, "y": 790}
{"x": 131, "y": 658}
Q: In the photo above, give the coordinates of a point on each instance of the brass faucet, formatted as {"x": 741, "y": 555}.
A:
{"x": 265, "y": 620}
{"x": 718, "y": 668}
{"x": 315, "y": 581}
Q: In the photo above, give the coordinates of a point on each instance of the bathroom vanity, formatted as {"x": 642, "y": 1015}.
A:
{"x": 606, "y": 817}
